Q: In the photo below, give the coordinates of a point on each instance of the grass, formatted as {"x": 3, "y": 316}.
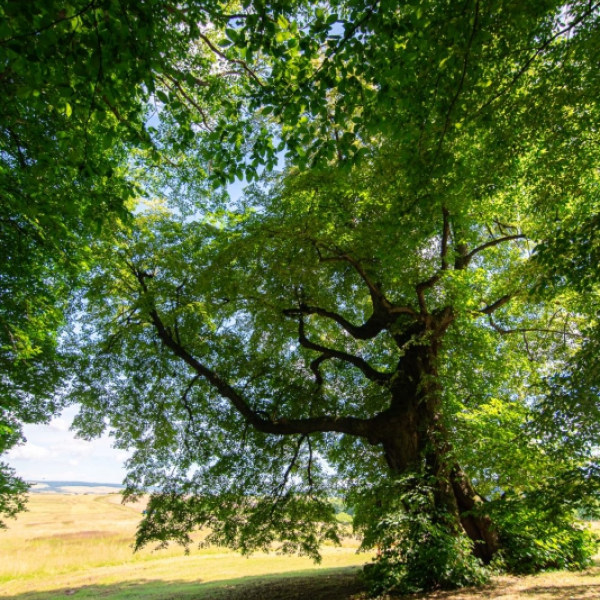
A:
{"x": 84, "y": 543}
{"x": 80, "y": 546}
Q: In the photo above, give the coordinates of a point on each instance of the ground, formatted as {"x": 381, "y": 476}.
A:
{"x": 80, "y": 546}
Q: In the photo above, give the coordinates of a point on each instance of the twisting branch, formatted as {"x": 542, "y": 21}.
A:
{"x": 374, "y": 325}
{"x": 314, "y": 367}
{"x": 283, "y": 426}
{"x": 420, "y": 288}
{"x": 368, "y": 371}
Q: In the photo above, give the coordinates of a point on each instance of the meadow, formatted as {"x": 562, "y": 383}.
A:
{"x": 81, "y": 545}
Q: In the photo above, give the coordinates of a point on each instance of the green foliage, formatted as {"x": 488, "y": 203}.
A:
{"x": 537, "y": 537}
{"x": 394, "y": 301}
{"x": 13, "y": 492}
{"x": 418, "y": 545}
{"x": 344, "y": 517}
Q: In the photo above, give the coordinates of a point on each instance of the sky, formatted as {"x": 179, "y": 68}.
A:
{"x": 53, "y": 453}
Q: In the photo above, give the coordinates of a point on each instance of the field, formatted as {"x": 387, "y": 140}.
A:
{"x": 80, "y": 545}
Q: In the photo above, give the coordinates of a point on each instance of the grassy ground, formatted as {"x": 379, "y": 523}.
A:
{"x": 67, "y": 544}
{"x": 81, "y": 546}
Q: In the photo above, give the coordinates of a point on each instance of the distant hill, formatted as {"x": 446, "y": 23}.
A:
{"x": 73, "y": 487}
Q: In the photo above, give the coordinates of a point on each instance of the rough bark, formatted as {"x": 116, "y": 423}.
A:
{"x": 414, "y": 439}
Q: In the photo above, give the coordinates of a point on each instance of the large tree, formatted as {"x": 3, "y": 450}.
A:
{"x": 331, "y": 336}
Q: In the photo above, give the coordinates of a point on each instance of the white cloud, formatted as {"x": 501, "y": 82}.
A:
{"x": 72, "y": 447}
{"x": 122, "y": 456}
{"x": 59, "y": 425}
{"x": 53, "y": 453}
{"x": 28, "y": 451}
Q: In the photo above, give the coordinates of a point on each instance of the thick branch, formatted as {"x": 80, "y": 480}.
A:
{"x": 374, "y": 325}
{"x": 283, "y": 426}
{"x": 421, "y": 287}
{"x": 368, "y": 371}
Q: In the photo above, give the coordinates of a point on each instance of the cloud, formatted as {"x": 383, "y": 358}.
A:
{"x": 72, "y": 448}
{"x": 59, "y": 425}
{"x": 28, "y": 452}
{"x": 122, "y": 456}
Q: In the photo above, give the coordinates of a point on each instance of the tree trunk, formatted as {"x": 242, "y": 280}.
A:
{"x": 414, "y": 439}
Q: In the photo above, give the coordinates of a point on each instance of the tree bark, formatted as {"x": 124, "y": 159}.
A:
{"x": 414, "y": 439}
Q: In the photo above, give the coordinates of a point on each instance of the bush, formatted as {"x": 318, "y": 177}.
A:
{"x": 425, "y": 557}
{"x": 534, "y": 539}
{"x": 420, "y": 548}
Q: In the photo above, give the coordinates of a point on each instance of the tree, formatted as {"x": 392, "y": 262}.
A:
{"x": 337, "y": 331}
{"x": 332, "y": 323}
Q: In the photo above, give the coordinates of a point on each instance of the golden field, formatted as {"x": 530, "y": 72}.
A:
{"x": 67, "y": 544}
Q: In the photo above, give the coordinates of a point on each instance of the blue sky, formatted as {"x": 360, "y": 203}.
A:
{"x": 52, "y": 453}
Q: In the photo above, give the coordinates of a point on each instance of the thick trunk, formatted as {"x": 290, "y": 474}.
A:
{"x": 414, "y": 439}
{"x": 479, "y": 528}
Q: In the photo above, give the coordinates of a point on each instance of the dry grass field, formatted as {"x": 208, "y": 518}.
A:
{"x": 80, "y": 545}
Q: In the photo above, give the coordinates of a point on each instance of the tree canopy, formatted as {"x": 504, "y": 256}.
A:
{"x": 403, "y": 316}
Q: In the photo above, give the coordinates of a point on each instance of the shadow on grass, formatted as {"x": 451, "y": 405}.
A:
{"x": 324, "y": 584}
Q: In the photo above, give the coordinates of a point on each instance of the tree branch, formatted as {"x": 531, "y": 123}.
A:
{"x": 368, "y": 330}
{"x": 538, "y": 51}
{"x": 349, "y": 425}
{"x": 488, "y": 310}
{"x": 237, "y": 61}
{"x": 461, "y": 83}
{"x": 368, "y": 371}
{"x": 445, "y": 236}
{"x": 467, "y": 258}
{"x": 503, "y": 331}
{"x": 421, "y": 287}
